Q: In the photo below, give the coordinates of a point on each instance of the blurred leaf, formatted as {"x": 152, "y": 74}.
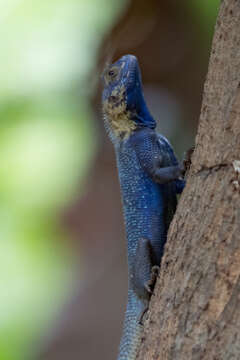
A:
{"x": 206, "y": 12}
{"x": 42, "y": 160}
{"x": 47, "y": 142}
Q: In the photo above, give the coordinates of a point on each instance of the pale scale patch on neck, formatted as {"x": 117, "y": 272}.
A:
{"x": 118, "y": 118}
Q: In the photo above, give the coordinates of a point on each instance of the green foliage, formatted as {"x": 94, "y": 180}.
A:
{"x": 205, "y": 12}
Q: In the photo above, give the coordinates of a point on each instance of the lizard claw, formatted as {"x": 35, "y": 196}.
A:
{"x": 140, "y": 320}
{"x": 187, "y": 160}
{"x": 149, "y": 285}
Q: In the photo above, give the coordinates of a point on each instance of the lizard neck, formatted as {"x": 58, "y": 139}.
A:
{"x": 121, "y": 123}
{"x": 119, "y": 127}
{"x": 139, "y": 110}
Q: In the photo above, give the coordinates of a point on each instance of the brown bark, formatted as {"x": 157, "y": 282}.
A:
{"x": 195, "y": 313}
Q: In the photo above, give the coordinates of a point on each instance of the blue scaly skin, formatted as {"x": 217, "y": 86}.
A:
{"x": 150, "y": 178}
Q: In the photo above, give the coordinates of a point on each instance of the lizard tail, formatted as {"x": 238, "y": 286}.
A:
{"x": 132, "y": 329}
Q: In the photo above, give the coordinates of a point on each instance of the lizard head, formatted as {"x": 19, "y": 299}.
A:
{"x": 124, "y": 106}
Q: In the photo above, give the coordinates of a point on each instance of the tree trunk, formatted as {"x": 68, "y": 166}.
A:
{"x": 195, "y": 313}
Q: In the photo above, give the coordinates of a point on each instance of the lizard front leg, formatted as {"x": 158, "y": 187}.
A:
{"x": 163, "y": 175}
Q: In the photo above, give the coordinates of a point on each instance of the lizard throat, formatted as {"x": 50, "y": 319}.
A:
{"x": 121, "y": 126}
{"x": 117, "y": 117}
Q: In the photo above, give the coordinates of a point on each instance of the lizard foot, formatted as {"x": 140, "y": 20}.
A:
{"x": 149, "y": 285}
{"x": 140, "y": 320}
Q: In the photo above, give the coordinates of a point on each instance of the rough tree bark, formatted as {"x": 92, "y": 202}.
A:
{"x": 195, "y": 313}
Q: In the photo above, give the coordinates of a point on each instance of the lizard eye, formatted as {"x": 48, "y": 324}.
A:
{"x": 112, "y": 73}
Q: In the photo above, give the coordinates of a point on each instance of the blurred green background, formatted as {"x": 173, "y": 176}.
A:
{"x": 51, "y": 137}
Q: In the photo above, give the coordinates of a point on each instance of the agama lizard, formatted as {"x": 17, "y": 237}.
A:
{"x": 150, "y": 178}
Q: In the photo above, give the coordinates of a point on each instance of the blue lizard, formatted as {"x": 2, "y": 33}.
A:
{"x": 150, "y": 178}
